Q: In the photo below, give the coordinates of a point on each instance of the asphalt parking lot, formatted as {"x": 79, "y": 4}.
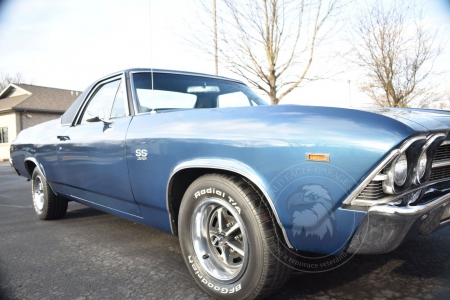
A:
{"x": 93, "y": 255}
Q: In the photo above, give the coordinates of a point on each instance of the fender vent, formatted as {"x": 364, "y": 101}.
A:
{"x": 373, "y": 191}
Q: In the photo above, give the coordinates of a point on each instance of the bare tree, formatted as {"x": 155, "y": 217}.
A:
{"x": 397, "y": 51}
{"x": 6, "y": 79}
{"x": 445, "y": 104}
{"x": 270, "y": 43}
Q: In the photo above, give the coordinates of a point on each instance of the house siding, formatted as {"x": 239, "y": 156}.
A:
{"x": 8, "y": 120}
{"x": 23, "y": 106}
{"x": 30, "y": 119}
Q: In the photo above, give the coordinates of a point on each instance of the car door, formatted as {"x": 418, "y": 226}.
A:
{"x": 92, "y": 152}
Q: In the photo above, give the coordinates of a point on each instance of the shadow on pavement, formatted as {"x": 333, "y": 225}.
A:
{"x": 83, "y": 212}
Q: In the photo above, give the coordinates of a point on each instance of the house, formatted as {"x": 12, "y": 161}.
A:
{"x": 25, "y": 105}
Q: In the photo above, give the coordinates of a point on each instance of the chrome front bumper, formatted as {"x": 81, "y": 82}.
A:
{"x": 386, "y": 226}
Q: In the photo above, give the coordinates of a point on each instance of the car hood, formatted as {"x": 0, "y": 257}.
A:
{"x": 419, "y": 119}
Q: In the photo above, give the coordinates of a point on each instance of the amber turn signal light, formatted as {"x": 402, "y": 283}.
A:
{"x": 318, "y": 157}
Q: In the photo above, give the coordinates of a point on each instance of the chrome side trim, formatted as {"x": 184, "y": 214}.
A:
{"x": 380, "y": 177}
{"x": 84, "y": 200}
{"x": 227, "y": 165}
{"x": 440, "y": 164}
{"x": 391, "y": 156}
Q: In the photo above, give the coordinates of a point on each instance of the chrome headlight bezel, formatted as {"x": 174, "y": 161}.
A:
{"x": 400, "y": 170}
{"x": 428, "y": 149}
{"x": 421, "y": 166}
{"x": 419, "y": 149}
{"x": 409, "y": 152}
{"x": 391, "y": 185}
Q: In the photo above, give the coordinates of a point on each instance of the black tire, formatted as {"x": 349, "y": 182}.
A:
{"x": 254, "y": 269}
{"x": 47, "y": 205}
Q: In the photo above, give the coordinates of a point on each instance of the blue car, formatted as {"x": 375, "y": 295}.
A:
{"x": 253, "y": 191}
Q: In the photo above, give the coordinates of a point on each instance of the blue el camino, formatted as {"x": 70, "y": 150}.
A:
{"x": 249, "y": 189}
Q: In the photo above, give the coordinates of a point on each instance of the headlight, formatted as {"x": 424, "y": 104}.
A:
{"x": 422, "y": 165}
{"x": 401, "y": 170}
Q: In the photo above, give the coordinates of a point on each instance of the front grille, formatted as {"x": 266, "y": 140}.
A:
{"x": 373, "y": 191}
{"x": 440, "y": 173}
{"x": 442, "y": 153}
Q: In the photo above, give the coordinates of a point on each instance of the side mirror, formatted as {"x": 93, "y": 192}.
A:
{"x": 92, "y": 118}
{"x": 99, "y": 117}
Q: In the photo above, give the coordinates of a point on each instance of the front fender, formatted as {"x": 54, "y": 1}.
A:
{"x": 234, "y": 166}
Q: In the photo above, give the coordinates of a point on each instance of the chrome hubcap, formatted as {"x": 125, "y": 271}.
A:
{"x": 219, "y": 239}
{"x": 38, "y": 188}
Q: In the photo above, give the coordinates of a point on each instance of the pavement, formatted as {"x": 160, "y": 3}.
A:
{"x": 93, "y": 255}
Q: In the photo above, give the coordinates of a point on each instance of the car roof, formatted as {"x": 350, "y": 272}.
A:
{"x": 175, "y": 72}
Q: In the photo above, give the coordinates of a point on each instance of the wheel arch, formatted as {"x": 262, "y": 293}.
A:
{"x": 31, "y": 163}
{"x": 185, "y": 173}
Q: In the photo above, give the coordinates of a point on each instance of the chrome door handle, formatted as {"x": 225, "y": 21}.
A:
{"x": 63, "y": 137}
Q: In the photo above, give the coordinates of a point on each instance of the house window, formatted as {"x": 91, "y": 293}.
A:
{"x": 3, "y": 135}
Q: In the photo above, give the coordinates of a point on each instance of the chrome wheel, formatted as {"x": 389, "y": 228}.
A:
{"x": 219, "y": 239}
{"x": 38, "y": 188}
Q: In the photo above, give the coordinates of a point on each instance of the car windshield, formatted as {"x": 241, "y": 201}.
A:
{"x": 172, "y": 91}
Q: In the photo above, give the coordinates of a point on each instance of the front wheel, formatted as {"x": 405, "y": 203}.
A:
{"x": 229, "y": 240}
{"x": 47, "y": 204}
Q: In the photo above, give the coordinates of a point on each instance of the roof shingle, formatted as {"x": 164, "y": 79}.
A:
{"x": 42, "y": 98}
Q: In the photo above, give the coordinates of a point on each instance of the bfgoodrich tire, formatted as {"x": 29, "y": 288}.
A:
{"x": 47, "y": 205}
{"x": 229, "y": 239}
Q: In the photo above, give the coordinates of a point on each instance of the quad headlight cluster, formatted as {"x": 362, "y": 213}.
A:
{"x": 412, "y": 165}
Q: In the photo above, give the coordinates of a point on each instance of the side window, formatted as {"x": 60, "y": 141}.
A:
{"x": 118, "y": 109}
{"x": 103, "y": 99}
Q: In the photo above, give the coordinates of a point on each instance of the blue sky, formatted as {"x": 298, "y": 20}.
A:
{"x": 68, "y": 44}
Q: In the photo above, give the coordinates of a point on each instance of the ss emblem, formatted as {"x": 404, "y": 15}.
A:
{"x": 141, "y": 154}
